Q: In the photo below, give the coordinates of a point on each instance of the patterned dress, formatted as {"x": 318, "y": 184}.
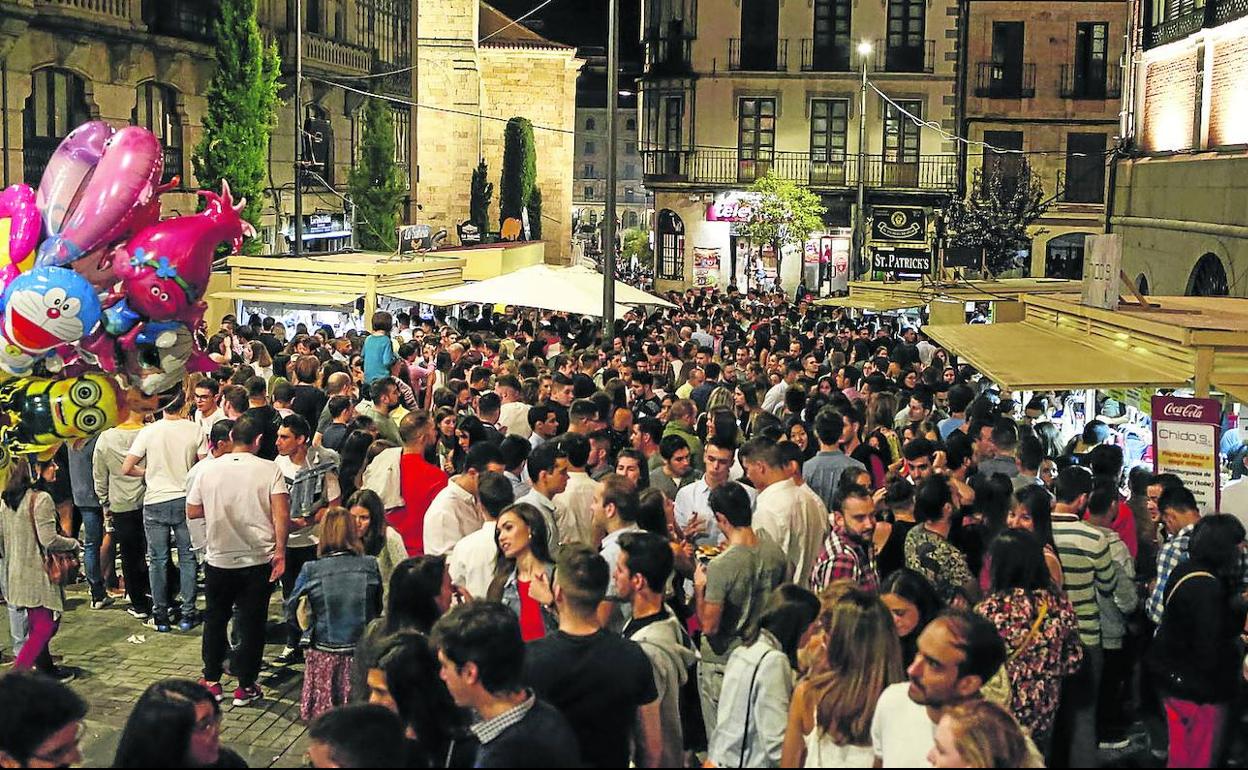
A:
{"x": 1036, "y": 673}
{"x": 938, "y": 560}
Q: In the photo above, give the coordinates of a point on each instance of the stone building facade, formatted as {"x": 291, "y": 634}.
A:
{"x": 634, "y": 205}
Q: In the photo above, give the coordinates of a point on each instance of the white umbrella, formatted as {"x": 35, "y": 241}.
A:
{"x": 567, "y": 289}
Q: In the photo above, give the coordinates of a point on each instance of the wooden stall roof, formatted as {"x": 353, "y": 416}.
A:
{"x": 349, "y": 263}
{"x": 922, "y": 292}
{"x": 323, "y": 299}
{"x": 870, "y": 304}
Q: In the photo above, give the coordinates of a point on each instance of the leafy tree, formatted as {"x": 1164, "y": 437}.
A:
{"x": 1002, "y": 204}
{"x": 637, "y": 244}
{"x": 242, "y": 111}
{"x": 482, "y": 194}
{"x": 376, "y": 183}
{"x": 535, "y": 214}
{"x": 519, "y": 169}
{"x": 785, "y": 214}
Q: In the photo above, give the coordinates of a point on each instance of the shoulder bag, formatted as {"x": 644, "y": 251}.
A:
{"x": 61, "y": 566}
{"x": 998, "y": 689}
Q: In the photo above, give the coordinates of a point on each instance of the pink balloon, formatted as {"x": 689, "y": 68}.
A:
{"x": 17, "y": 204}
{"x": 69, "y": 170}
{"x": 122, "y": 185}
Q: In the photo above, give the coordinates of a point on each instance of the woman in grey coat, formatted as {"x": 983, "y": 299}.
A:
{"x": 27, "y": 530}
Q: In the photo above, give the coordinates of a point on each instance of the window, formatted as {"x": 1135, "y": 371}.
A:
{"x": 1006, "y": 165}
{"x": 1063, "y": 257}
{"x": 630, "y": 148}
{"x": 630, "y": 124}
{"x": 756, "y": 137}
{"x": 1007, "y": 60}
{"x": 671, "y": 241}
{"x": 1208, "y": 278}
{"x": 313, "y": 18}
{"x": 901, "y": 145}
{"x": 630, "y": 171}
{"x": 589, "y": 193}
{"x": 590, "y": 148}
{"x": 630, "y": 219}
{"x": 402, "y": 134}
{"x": 591, "y": 124}
{"x": 589, "y": 171}
{"x": 760, "y": 26}
{"x": 57, "y": 104}
{"x": 829, "y": 122}
{"x": 1085, "y": 168}
{"x": 385, "y": 26}
{"x": 906, "y": 47}
{"x": 830, "y": 44}
{"x": 1091, "y": 50}
{"x": 318, "y": 148}
{"x": 156, "y": 109}
{"x": 628, "y": 194}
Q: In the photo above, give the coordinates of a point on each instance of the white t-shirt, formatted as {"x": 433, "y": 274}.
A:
{"x": 473, "y": 559}
{"x": 234, "y": 490}
{"x": 205, "y": 426}
{"x": 168, "y": 449}
{"x": 515, "y": 416}
{"x": 902, "y": 734}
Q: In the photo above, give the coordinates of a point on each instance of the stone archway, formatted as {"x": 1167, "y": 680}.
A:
{"x": 1208, "y": 278}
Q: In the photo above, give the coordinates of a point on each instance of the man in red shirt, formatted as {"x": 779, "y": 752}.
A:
{"x": 419, "y": 481}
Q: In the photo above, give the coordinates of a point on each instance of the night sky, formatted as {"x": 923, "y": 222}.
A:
{"x": 582, "y": 23}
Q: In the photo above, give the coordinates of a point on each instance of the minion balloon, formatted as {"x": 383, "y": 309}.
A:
{"x": 45, "y": 413}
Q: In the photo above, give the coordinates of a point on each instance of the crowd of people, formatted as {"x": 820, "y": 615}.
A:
{"x": 744, "y": 532}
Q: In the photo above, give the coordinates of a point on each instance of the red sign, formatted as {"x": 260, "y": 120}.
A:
{"x": 1185, "y": 443}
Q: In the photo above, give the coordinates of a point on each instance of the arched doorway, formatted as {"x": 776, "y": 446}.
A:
{"x": 1208, "y": 278}
{"x": 671, "y": 239}
{"x": 1141, "y": 284}
{"x": 1063, "y": 256}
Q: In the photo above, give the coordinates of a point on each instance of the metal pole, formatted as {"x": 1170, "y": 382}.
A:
{"x": 860, "y": 228}
{"x": 298, "y": 251}
{"x": 608, "y": 225}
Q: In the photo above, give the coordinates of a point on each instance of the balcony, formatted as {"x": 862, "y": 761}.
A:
{"x": 1210, "y": 14}
{"x": 917, "y": 57}
{"x": 758, "y": 56}
{"x": 824, "y": 58}
{"x": 1002, "y": 81}
{"x": 1082, "y": 84}
{"x": 399, "y": 83}
{"x": 126, "y": 13}
{"x": 326, "y": 55}
{"x": 928, "y": 173}
{"x": 668, "y": 56}
{"x": 185, "y": 19}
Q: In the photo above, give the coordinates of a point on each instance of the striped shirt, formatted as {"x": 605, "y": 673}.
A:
{"x": 1087, "y": 569}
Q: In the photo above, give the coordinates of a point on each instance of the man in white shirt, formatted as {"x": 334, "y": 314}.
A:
{"x": 219, "y": 443}
{"x": 796, "y": 520}
{"x": 245, "y": 501}
{"x": 514, "y": 413}
{"x": 543, "y": 424}
{"x": 207, "y": 412}
{"x": 773, "y": 402}
{"x": 548, "y": 472}
{"x": 959, "y": 651}
{"x": 162, "y": 454}
{"x": 573, "y": 513}
{"x": 473, "y": 559}
{"x": 693, "y": 508}
{"x": 311, "y": 474}
{"x": 454, "y": 512}
{"x": 614, "y": 511}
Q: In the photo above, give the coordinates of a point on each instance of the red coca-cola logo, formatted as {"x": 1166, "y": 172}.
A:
{"x": 1187, "y": 411}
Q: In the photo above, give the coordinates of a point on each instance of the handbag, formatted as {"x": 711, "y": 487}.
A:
{"x": 61, "y": 566}
{"x": 998, "y": 689}
{"x": 1171, "y": 681}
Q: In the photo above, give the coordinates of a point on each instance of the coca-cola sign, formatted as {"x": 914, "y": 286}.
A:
{"x": 1185, "y": 443}
{"x": 1183, "y": 410}
{"x": 732, "y": 207}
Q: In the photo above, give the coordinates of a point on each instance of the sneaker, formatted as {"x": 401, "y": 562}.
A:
{"x": 186, "y": 624}
{"x": 245, "y": 696}
{"x": 62, "y": 674}
{"x": 138, "y": 614}
{"x": 99, "y": 604}
{"x": 161, "y": 624}
{"x": 289, "y": 656}
{"x": 214, "y": 689}
{"x": 1114, "y": 745}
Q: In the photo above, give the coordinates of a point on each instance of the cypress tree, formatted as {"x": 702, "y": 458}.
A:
{"x": 519, "y": 169}
{"x": 481, "y": 195}
{"x": 535, "y": 214}
{"x": 242, "y": 111}
{"x": 376, "y": 183}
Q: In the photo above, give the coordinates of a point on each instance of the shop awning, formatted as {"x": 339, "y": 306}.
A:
{"x": 870, "y": 304}
{"x": 267, "y": 296}
{"x": 1023, "y": 356}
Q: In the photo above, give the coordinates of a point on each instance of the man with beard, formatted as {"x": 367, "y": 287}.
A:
{"x": 848, "y": 550}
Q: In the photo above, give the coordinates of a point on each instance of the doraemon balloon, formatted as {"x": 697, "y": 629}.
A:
{"x": 41, "y": 310}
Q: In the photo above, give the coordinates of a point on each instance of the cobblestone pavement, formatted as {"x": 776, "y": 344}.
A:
{"x": 114, "y": 667}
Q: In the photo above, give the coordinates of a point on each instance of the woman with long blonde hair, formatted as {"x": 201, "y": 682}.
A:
{"x": 831, "y": 711}
{"x": 979, "y": 733}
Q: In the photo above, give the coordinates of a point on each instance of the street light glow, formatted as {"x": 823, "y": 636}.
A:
{"x": 864, "y": 48}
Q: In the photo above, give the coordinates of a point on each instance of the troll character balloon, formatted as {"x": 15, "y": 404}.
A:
{"x": 163, "y": 273}
{"x": 42, "y": 310}
{"x": 45, "y": 413}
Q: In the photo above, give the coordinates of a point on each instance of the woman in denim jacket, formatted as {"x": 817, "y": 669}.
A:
{"x": 522, "y": 558}
{"x": 335, "y": 597}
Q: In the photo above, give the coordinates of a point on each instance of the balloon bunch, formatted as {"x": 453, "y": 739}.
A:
{"x": 99, "y": 297}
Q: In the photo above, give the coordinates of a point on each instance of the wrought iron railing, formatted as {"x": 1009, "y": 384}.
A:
{"x": 752, "y": 55}
{"x": 722, "y": 166}
{"x": 995, "y": 80}
{"x": 1082, "y": 83}
{"x": 668, "y": 56}
{"x": 824, "y": 58}
{"x": 919, "y": 56}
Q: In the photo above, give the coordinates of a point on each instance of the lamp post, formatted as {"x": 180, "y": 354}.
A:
{"x": 298, "y": 251}
{"x": 608, "y": 225}
{"x": 860, "y": 220}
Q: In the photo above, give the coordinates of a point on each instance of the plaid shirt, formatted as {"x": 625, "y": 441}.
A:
{"x": 488, "y": 729}
{"x": 1172, "y": 554}
{"x": 842, "y": 558}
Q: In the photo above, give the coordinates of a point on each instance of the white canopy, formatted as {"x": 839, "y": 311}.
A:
{"x": 568, "y": 289}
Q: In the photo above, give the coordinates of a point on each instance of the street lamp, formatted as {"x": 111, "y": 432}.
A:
{"x": 860, "y": 222}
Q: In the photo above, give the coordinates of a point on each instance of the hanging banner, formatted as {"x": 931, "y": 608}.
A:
{"x": 1185, "y": 443}
{"x": 901, "y": 261}
{"x": 899, "y": 224}
{"x": 705, "y": 266}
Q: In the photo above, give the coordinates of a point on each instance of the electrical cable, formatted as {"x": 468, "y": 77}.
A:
{"x": 515, "y": 21}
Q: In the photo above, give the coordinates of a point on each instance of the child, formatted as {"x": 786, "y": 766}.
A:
{"x": 378, "y": 352}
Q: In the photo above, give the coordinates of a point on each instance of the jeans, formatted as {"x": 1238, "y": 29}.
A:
{"x": 246, "y": 590}
{"x": 132, "y": 543}
{"x": 295, "y": 559}
{"x": 710, "y": 682}
{"x": 1074, "y": 735}
{"x": 159, "y": 521}
{"x": 92, "y": 537}
{"x": 17, "y": 617}
{"x": 43, "y": 627}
